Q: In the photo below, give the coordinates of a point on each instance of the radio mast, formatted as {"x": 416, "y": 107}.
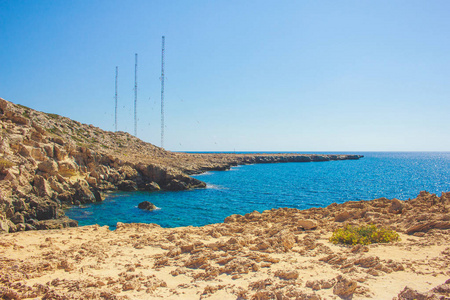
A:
{"x": 162, "y": 94}
{"x": 115, "y": 97}
{"x": 135, "y": 94}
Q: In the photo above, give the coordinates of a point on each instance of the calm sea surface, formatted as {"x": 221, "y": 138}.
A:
{"x": 244, "y": 189}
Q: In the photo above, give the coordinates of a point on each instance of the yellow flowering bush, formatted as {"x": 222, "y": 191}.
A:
{"x": 365, "y": 235}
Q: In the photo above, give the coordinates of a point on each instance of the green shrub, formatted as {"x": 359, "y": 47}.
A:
{"x": 53, "y": 116}
{"x": 68, "y": 173}
{"x": 365, "y": 235}
{"x": 5, "y": 164}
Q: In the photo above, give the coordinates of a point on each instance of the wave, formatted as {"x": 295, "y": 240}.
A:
{"x": 203, "y": 174}
{"x": 215, "y": 187}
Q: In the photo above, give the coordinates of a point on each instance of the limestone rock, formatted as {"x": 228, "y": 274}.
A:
{"x": 410, "y": 294}
{"x": 59, "y": 153}
{"x": 42, "y": 187}
{"x": 127, "y": 185}
{"x": 176, "y": 185}
{"x": 396, "y": 206}
{"x": 46, "y": 210}
{"x": 4, "y": 227}
{"x": 83, "y": 193}
{"x": 56, "y": 224}
{"x": 150, "y": 187}
{"x": 48, "y": 166}
{"x": 17, "y": 218}
{"x": 19, "y": 205}
{"x": 287, "y": 275}
{"x": 146, "y": 205}
{"x": 343, "y": 216}
{"x": 67, "y": 168}
{"x": 344, "y": 287}
{"x": 307, "y": 224}
{"x": 426, "y": 226}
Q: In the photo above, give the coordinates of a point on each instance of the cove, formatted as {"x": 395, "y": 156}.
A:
{"x": 259, "y": 187}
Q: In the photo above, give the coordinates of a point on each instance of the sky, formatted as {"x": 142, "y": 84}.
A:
{"x": 239, "y": 75}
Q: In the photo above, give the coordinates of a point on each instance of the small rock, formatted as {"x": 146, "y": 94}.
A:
{"x": 343, "y": 216}
{"x": 307, "y": 224}
{"x": 286, "y": 275}
{"x": 396, "y": 206}
{"x": 146, "y": 205}
{"x": 344, "y": 287}
{"x": 410, "y": 294}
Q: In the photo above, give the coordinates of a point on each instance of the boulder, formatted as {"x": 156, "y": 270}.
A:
{"x": 59, "y": 153}
{"x": 19, "y": 205}
{"x": 83, "y": 193}
{"x": 343, "y": 216}
{"x": 146, "y": 205}
{"x": 67, "y": 168}
{"x": 4, "y": 227}
{"x": 55, "y": 185}
{"x": 42, "y": 187}
{"x": 49, "y": 166}
{"x": 46, "y": 210}
{"x": 150, "y": 187}
{"x": 426, "y": 226}
{"x": 176, "y": 185}
{"x": 17, "y": 218}
{"x": 38, "y": 154}
{"x": 410, "y": 294}
{"x": 396, "y": 206}
{"x": 18, "y": 119}
{"x": 307, "y": 224}
{"x": 127, "y": 186}
{"x": 344, "y": 287}
{"x": 99, "y": 197}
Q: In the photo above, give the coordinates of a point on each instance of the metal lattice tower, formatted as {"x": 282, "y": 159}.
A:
{"x": 115, "y": 97}
{"x": 162, "y": 93}
{"x": 135, "y": 94}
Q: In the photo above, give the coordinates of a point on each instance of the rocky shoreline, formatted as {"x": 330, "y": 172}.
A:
{"x": 48, "y": 162}
{"x": 277, "y": 254}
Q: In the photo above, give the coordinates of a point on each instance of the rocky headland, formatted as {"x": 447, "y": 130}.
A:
{"x": 48, "y": 162}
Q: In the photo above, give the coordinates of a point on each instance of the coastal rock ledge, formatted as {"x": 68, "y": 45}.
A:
{"x": 49, "y": 162}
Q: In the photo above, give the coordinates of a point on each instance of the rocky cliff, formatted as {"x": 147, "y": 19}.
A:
{"x": 48, "y": 162}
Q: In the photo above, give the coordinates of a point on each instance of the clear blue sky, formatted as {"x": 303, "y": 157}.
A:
{"x": 244, "y": 75}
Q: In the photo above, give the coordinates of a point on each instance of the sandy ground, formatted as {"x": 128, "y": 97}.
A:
{"x": 273, "y": 255}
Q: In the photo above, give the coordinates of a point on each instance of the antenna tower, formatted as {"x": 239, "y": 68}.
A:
{"x": 115, "y": 97}
{"x": 162, "y": 93}
{"x": 135, "y": 93}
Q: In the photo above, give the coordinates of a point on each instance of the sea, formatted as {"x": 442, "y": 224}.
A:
{"x": 259, "y": 187}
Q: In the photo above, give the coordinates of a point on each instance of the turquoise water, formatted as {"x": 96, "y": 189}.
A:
{"x": 244, "y": 189}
